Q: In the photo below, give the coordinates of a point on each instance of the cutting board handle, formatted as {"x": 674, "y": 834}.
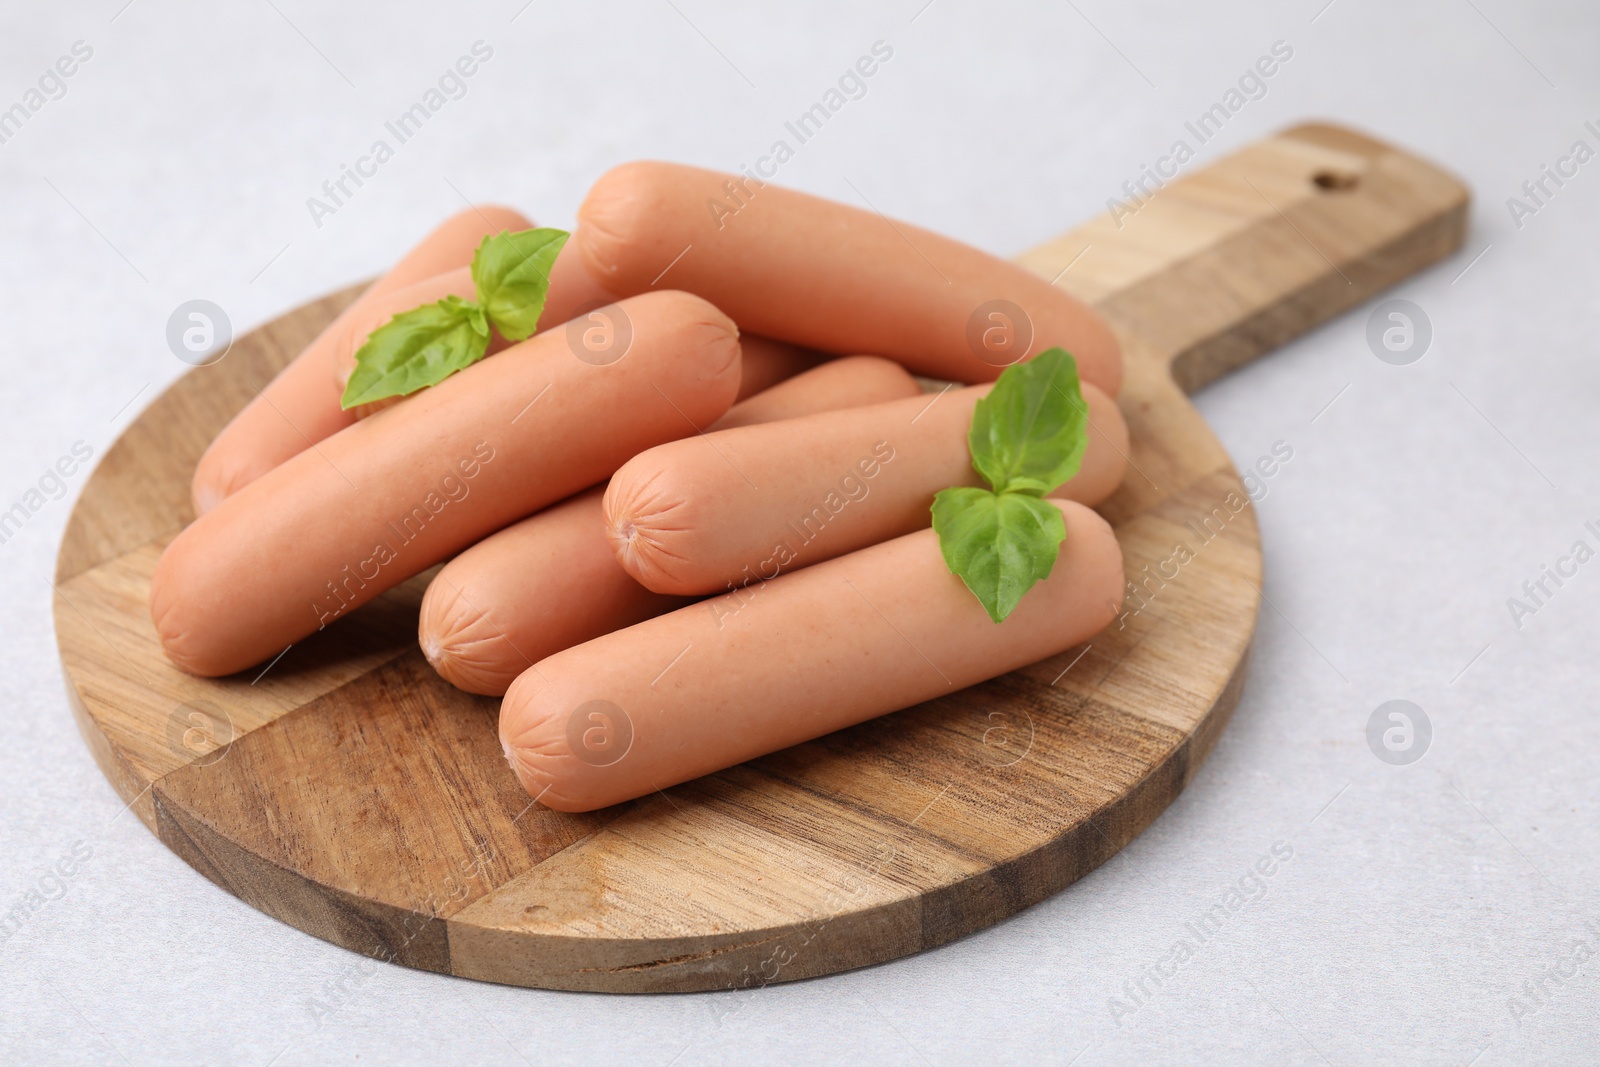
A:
{"x": 1206, "y": 271}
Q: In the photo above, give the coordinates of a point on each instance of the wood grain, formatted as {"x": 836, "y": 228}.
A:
{"x": 350, "y": 792}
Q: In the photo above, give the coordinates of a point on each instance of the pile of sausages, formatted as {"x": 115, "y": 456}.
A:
{"x": 686, "y": 523}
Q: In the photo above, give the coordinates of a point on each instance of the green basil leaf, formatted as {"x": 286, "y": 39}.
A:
{"x": 1028, "y": 435}
{"x": 512, "y": 274}
{"x": 416, "y": 349}
{"x": 999, "y": 544}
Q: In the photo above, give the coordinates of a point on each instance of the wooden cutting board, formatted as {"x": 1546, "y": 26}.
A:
{"x": 350, "y": 792}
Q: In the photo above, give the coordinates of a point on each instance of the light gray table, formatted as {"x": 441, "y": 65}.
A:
{"x": 1432, "y": 912}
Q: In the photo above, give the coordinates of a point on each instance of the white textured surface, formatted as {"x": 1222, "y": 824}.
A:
{"x": 1415, "y": 907}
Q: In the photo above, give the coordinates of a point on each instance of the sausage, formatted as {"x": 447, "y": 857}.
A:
{"x": 831, "y": 277}
{"x": 384, "y": 499}
{"x": 845, "y": 382}
{"x": 702, "y": 514}
{"x": 849, "y": 381}
{"x": 740, "y": 675}
{"x": 536, "y": 587}
{"x": 300, "y": 406}
{"x": 550, "y": 581}
{"x": 766, "y": 362}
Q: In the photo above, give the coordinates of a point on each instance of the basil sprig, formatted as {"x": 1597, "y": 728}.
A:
{"x": 1027, "y": 439}
{"x": 424, "y": 346}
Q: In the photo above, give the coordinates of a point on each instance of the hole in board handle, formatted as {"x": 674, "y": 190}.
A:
{"x": 1332, "y": 181}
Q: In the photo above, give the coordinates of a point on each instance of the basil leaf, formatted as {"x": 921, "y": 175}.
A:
{"x": 1028, "y": 435}
{"x": 512, "y": 275}
{"x": 1027, "y": 438}
{"x": 416, "y": 349}
{"x": 999, "y": 544}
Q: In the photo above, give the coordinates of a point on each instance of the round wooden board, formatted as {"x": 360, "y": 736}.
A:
{"x": 350, "y": 792}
